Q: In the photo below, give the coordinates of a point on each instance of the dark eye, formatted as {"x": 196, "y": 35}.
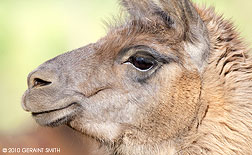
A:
{"x": 141, "y": 62}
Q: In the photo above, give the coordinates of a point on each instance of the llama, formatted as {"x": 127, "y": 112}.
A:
{"x": 172, "y": 78}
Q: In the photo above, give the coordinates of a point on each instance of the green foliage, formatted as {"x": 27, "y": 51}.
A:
{"x": 34, "y": 31}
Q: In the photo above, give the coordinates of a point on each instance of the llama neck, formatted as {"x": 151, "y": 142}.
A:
{"x": 225, "y": 87}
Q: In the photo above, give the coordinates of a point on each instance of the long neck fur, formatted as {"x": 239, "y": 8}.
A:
{"x": 226, "y": 91}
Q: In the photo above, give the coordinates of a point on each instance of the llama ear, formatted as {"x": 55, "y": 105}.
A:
{"x": 179, "y": 15}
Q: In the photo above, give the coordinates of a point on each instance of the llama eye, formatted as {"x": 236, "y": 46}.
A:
{"x": 141, "y": 63}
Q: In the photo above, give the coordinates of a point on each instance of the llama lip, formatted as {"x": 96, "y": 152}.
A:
{"x": 53, "y": 110}
{"x": 56, "y": 117}
{"x": 59, "y": 121}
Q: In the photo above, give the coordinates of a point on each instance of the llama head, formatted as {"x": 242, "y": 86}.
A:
{"x": 141, "y": 82}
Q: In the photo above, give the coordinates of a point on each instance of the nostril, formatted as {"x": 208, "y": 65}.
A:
{"x": 37, "y": 82}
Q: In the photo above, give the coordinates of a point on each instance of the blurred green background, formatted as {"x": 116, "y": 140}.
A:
{"x": 33, "y": 31}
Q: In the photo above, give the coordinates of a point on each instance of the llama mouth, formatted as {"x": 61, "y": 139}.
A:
{"x": 56, "y": 117}
{"x": 60, "y": 121}
{"x": 50, "y": 111}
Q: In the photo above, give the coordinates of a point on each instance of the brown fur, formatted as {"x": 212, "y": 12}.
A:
{"x": 198, "y": 99}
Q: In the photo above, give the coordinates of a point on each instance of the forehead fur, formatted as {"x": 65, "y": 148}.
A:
{"x": 131, "y": 32}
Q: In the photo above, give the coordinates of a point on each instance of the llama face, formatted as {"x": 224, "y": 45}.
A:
{"x": 142, "y": 78}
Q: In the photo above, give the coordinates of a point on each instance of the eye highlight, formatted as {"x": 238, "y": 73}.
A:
{"x": 142, "y": 63}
